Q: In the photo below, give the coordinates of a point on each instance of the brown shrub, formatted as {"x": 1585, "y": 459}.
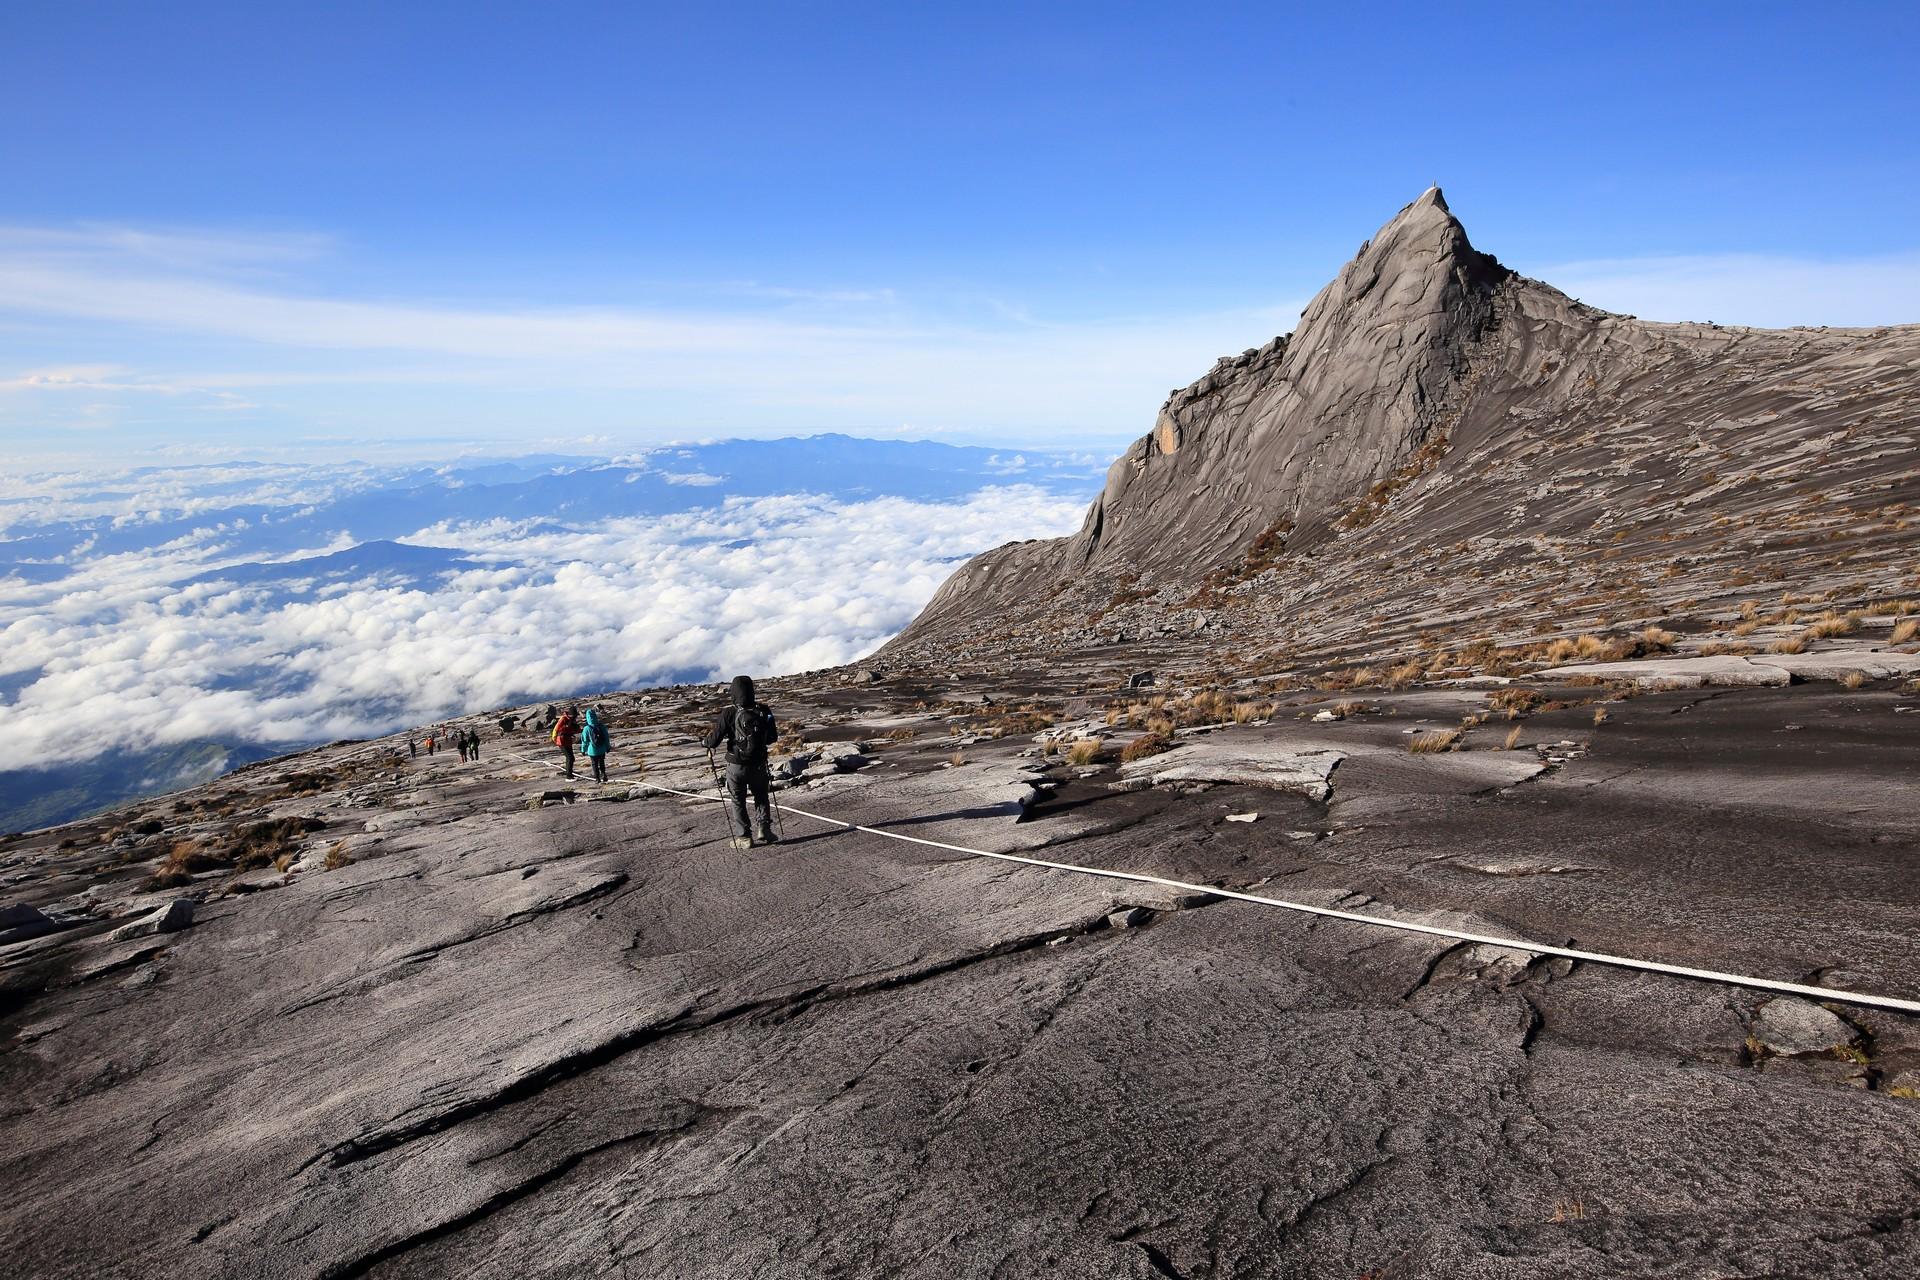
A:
{"x": 258, "y": 844}
{"x": 1149, "y": 744}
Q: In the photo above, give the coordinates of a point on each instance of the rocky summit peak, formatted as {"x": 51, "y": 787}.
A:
{"x": 1424, "y": 407}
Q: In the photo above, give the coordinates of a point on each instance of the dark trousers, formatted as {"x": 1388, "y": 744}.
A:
{"x": 599, "y": 768}
{"x": 742, "y": 779}
{"x": 567, "y": 749}
{"x": 473, "y": 748}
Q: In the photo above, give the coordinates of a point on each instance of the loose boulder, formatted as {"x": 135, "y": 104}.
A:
{"x": 1789, "y": 1025}
{"x": 172, "y": 918}
{"x": 21, "y": 921}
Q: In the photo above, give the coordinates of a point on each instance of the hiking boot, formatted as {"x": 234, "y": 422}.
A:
{"x": 766, "y": 835}
{"x": 739, "y": 842}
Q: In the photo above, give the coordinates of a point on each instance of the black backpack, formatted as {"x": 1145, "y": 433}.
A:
{"x": 751, "y": 736}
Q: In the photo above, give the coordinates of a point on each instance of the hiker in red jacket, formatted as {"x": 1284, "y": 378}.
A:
{"x": 566, "y": 731}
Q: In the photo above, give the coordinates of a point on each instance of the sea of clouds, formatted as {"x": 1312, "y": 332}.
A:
{"x": 198, "y": 636}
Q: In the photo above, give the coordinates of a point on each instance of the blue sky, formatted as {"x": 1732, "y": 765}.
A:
{"x": 246, "y": 229}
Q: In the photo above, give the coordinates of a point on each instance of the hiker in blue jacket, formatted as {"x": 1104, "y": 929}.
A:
{"x": 595, "y": 742}
{"x": 748, "y": 730}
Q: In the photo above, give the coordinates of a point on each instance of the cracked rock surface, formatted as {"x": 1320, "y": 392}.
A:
{"x": 593, "y": 1039}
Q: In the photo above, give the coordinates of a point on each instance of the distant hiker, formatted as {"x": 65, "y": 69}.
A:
{"x": 594, "y": 743}
{"x": 473, "y": 744}
{"x": 413, "y": 746}
{"x": 748, "y": 730}
{"x": 460, "y": 742}
{"x": 565, "y": 730}
{"x": 429, "y": 744}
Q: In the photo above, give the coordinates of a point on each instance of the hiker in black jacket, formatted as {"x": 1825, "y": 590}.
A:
{"x": 748, "y": 730}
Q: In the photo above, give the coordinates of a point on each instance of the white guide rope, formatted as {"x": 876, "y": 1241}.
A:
{"x": 1355, "y": 917}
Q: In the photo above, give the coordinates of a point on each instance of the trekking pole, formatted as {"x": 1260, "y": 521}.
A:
{"x": 719, "y": 785}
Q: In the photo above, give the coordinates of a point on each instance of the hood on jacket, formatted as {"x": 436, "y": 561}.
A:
{"x": 743, "y": 691}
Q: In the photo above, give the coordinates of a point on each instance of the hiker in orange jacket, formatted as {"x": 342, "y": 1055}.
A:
{"x": 566, "y": 731}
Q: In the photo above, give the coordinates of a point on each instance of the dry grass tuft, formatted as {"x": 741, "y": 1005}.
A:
{"x": 1747, "y": 627}
{"x": 1792, "y": 644}
{"x": 1084, "y": 752}
{"x": 957, "y": 759}
{"x": 1148, "y": 744}
{"x": 337, "y": 857}
{"x": 1515, "y": 702}
{"x": 1599, "y": 715}
{"x": 1657, "y": 640}
{"x": 1434, "y": 741}
{"x": 1405, "y": 674}
{"x": 182, "y": 860}
{"x": 1906, "y": 632}
{"x": 1854, "y": 679}
{"x": 1831, "y": 624}
{"x": 1513, "y": 739}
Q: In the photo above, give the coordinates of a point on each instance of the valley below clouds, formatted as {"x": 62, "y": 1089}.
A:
{"x": 159, "y": 625}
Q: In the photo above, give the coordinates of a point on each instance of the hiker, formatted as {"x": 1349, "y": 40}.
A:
{"x": 413, "y": 747}
{"x": 460, "y": 742}
{"x": 429, "y": 744}
{"x": 594, "y": 742}
{"x": 473, "y": 744}
{"x": 565, "y": 730}
{"x": 748, "y": 730}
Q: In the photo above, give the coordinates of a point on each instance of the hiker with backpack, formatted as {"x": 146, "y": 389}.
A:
{"x": 565, "y": 731}
{"x": 595, "y": 742}
{"x": 473, "y": 744}
{"x": 748, "y": 730}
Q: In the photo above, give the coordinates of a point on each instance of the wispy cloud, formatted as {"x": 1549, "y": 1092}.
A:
{"x": 860, "y": 357}
{"x": 1749, "y": 289}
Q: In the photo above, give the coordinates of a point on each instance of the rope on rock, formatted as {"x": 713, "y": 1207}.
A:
{"x": 1334, "y": 913}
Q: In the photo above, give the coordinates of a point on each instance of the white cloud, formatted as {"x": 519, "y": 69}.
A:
{"x": 760, "y": 585}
